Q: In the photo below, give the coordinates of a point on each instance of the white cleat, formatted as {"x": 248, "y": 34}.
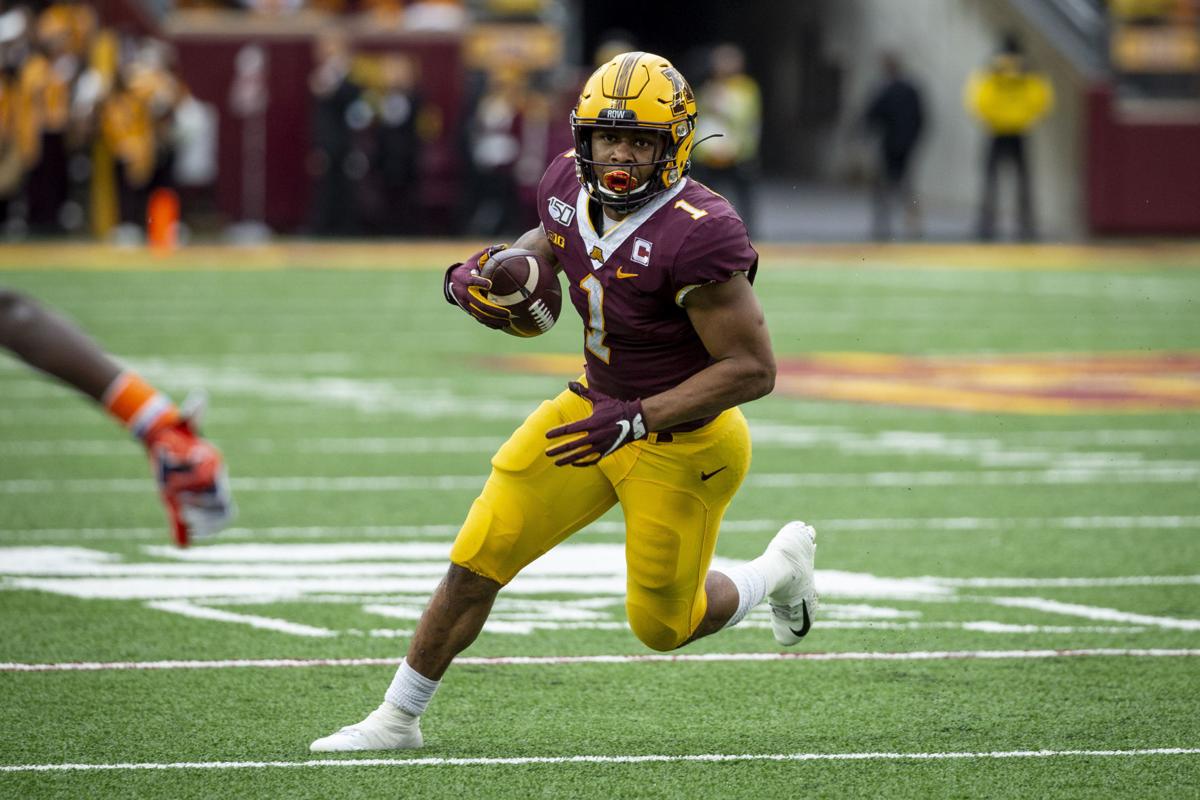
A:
{"x": 385, "y": 728}
{"x": 794, "y": 603}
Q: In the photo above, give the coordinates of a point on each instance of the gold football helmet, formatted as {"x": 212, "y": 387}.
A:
{"x": 642, "y": 91}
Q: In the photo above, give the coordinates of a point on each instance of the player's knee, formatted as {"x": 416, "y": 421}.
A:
{"x": 16, "y": 310}
{"x": 657, "y": 624}
{"x": 484, "y": 545}
{"x": 470, "y": 588}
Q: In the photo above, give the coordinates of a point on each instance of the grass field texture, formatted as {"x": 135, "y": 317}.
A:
{"x": 998, "y": 447}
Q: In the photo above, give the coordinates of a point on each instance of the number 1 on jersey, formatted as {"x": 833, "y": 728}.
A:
{"x": 594, "y": 338}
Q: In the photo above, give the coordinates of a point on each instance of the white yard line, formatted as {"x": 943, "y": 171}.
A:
{"x": 980, "y": 626}
{"x": 1067, "y": 583}
{"x": 38, "y": 535}
{"x": 1181, "y": 472}
{"x": 1097, "y": 613}
{"x": 81, "y": 414}
{"x": 594, "y": 759}
{"x": 263, "y": 623}
{"x": 1122, "y": 523}
{"x": 897, "y": 524}
{"x": 380, "y": 483}
{"x": 1184, "y": 472}
{"x": 408, "y": 445}
{"x": 917, "y": 655}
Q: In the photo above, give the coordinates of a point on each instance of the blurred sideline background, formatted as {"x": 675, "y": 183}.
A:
{"x": 247, "y": 120}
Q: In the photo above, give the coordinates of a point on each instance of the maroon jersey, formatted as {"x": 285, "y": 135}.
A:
{"x": 628, "y": 284}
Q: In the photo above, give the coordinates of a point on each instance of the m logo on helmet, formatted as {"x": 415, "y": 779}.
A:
{"x": 683, "y": 92}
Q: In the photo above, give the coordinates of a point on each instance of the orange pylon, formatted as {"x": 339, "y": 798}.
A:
{"x": 162, "y": 221}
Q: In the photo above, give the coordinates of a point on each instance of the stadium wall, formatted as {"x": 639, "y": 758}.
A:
{"x": 1143, "y": 167}
{"x": 207, "y": 56}
{"x": 941, "y": 42}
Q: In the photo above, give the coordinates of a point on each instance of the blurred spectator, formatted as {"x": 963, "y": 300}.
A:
{"x": 137, "y": 125}
{"x": 1009, "y": 99}
{"x": 249, "y": 98}
{"x": 93, "y": 156}
{"x": 435, "y": 15}
{"x": 82, "y": 119}
{"x": 153, "y": 82}
{"x": 334, "y": 93}
{"x": 541, "y": 136}
{"x": 895, "y": 114}
{"x": 70, "y": 22}
{"x": 613, "y": 42}
{"x": 46, "y": 80}
{"x": 127, "y": 125}
{"x": 494, "y": 135}
{"x": 397, "y": 107}
{"x": 195, "y": 139}
{"x": 273, "y": 7}
{"x": 16, "y": 35}
{"x": 12, "y": 164}
{"x": 731, "y": 111}
{"x": 382, "y": 13}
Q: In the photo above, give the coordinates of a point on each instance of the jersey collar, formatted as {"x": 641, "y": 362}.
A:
{"x": 618, "y": 232}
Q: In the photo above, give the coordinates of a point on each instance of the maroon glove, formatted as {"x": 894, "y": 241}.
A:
{"x": 613, "y": 424}
{"x": 465, "y": 288}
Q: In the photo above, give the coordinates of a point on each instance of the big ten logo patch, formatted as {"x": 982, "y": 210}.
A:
{"x": 556, "y": 239}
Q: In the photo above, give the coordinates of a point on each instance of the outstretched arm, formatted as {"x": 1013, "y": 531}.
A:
{"x": 52, "y": 344}
{"x": 190, "y": 472}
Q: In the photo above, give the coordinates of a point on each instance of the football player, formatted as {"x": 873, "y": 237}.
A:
{"x": 191, "y": 475}
{"x": 660, "y": 269}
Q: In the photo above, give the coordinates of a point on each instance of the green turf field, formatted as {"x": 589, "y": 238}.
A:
{"x": 999, "y": 449}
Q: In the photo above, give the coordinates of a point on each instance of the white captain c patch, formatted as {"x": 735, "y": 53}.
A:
{"x": 561, "y": 212}
{"x": 641, "y": 252}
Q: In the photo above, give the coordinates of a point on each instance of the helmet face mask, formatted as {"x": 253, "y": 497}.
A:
{"x": 621, "y": 185}
{"x": 634, "y": 92}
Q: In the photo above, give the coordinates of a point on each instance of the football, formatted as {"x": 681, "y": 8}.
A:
{"x": 528, "y": 287}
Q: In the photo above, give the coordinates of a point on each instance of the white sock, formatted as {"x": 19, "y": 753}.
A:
{"x": 394, "y": 719}
{"x": 410, "y": 690}
{"x": 751, "y": 586}
{"x": 775, "y": 569}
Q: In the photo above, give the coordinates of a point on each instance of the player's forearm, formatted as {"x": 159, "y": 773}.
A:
{"x": 54, "y": 345}
{"x": 535, "y": 239}
{"x": 719, "y": 386}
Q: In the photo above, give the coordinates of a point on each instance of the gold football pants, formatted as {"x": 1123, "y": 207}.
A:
{"x": 674, "y": 494}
